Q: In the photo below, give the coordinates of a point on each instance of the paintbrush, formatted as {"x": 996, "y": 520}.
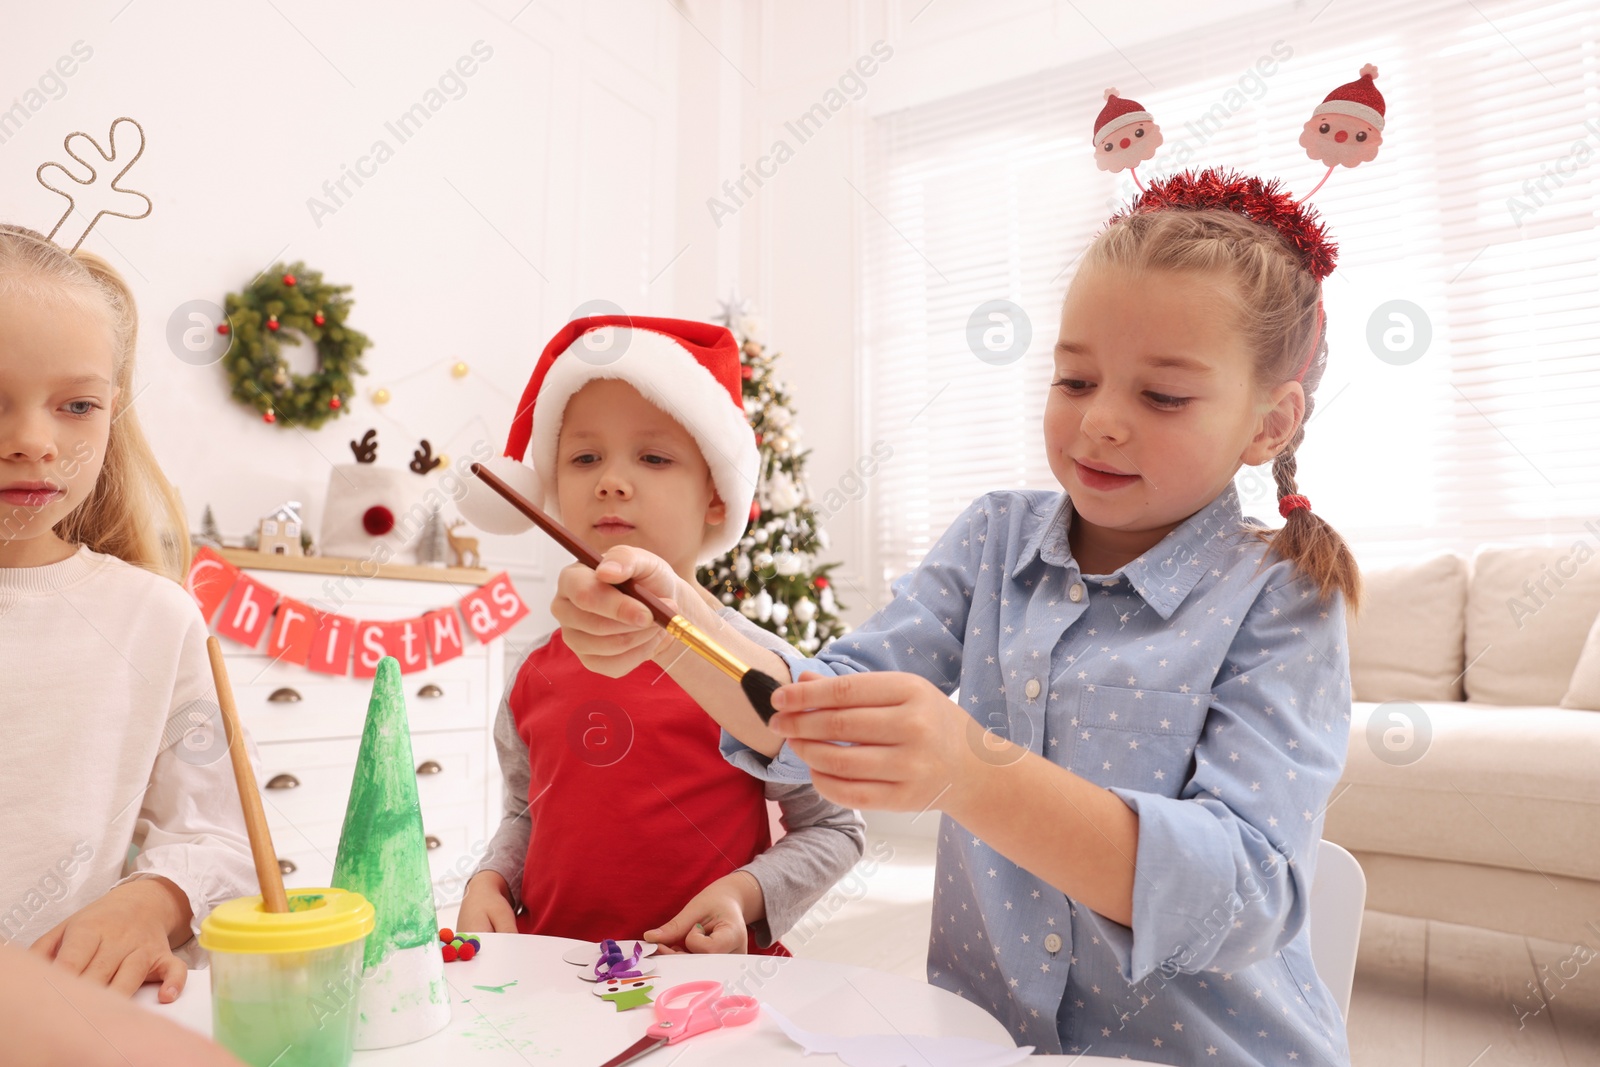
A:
{"x": 268, "y": 873}
{"x": 758, "y": 687}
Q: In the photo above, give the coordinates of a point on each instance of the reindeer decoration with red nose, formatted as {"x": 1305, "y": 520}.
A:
{"x": 376, "y": 512}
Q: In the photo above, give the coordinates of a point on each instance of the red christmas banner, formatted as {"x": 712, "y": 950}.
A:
{"x": 293, "y": 627}
{"x": 330, "y": 645}
{"x": 210, "y": 579}
{"x": 493, "y": 609}
{"x": 248, "y": 610}
{"x": 327, "y": 643}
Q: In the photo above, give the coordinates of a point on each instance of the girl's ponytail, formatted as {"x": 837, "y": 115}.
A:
{"x": 1306, "y": 539}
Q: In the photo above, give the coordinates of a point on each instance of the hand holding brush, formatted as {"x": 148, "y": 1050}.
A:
{"x": 758, "y": 687}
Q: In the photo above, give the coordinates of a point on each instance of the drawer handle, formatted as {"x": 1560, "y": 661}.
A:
{"x": 429, "y": 767}
{"x": 285, "y": 695}
{"x": 287, "y": 866}
{"x": 283, "y": 781}
{"x": 432, "y": 842}
{"x": 430, "y": 691}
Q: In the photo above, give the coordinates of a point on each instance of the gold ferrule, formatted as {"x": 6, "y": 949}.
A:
{"x": 689, "y": 634}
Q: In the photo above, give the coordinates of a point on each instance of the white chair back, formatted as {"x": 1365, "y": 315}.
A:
{"x": 1338, "y": 896}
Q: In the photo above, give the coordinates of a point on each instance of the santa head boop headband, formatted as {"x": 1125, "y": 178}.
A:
{"x": 105, "y": 170}
{"x": 1345, "y": 129}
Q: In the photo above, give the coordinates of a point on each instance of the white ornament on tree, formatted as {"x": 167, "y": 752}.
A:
{"x": 763, "y": 601}
{"x": 787, "y": 564}
{"x": 804, "y": 609}
{"x": 741, "y": 566}
{"x": 763, "y": 560}
{"x": 780, "y": 612}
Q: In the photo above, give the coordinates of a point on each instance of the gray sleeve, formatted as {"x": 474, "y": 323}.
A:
{"x": 508, "y": 848}
{"x": 823, "y": 841}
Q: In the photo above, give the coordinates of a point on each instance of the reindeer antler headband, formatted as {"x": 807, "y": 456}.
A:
{"x": 126, "y": 141}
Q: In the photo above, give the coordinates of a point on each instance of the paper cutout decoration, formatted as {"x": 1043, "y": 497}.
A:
{"x": 585, "y": 955}
{"x": 1125, "y": 135}
{"x": 646, "y": 969}
{"x": 626, "y": 993}
{"x": 1346, "y": 129}
{"x": 384, "y": 857}
{"x": 899, "y": 1050}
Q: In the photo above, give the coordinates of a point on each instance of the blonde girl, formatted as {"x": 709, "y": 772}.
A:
{"x": 119, "y": 826}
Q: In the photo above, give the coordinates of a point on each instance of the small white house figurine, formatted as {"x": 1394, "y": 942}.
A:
{"x": 280, "y": 532}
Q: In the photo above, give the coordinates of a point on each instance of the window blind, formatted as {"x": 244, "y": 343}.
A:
{"x": 1479, "y": 213}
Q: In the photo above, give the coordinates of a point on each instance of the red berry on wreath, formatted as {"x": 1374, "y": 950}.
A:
{"x": 288, "y": 279}
{"x": 319, "y": 318}
{"x": 335, "y": 403}
{"x": 272, "y": 323}
{"x": 222, "y": 328}
{"x": 269, "y": 417}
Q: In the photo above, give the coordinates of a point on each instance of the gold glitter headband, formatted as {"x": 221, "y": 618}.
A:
{"x": 131, "y": 140}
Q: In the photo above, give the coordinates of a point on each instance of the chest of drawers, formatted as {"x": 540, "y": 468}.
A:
{"x": 307, "y": 727}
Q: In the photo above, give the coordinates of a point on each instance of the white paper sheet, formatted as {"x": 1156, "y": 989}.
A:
{"x": 900, "y": 1050}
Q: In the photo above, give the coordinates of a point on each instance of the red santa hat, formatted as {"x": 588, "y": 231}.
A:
{"x": 1359, "y": 99}
{"x": 688, "y": 369}
{"x": 1119, "y": 111}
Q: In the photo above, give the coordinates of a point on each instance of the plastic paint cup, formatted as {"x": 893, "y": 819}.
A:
{"x": 284, "y": 986}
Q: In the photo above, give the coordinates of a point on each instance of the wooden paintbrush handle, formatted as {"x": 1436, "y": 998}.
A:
{"x": 566, "y": 540}
{"x": 268, "y": 873}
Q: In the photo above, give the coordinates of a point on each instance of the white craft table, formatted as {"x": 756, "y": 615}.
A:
{"x": 546, "y": 1014}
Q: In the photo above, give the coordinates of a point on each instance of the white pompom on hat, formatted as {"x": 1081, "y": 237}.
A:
{"x": 688, "y": 369}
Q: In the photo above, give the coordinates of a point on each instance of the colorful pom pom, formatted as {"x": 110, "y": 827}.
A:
{"x": 466, "y": 952}
{"x": 447, "y": 935}
{"x": 449, "y": 954}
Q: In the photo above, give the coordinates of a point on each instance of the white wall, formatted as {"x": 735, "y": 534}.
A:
{"x": 551, "y": 180}
{"x": 793, "y": 242}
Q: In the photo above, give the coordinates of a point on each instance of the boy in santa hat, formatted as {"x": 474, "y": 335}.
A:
{"x": 622, "y": 817}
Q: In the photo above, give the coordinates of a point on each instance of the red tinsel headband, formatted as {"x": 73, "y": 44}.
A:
{"x": 1257, "y": 200}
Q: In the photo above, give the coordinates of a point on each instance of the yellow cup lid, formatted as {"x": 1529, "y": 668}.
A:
{"x": 317, "y": 918}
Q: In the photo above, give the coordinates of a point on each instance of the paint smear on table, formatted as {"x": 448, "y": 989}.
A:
{"x": 496, "y": 988}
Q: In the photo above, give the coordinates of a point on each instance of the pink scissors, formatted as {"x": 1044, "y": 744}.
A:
{"x": 707, "y": 1009}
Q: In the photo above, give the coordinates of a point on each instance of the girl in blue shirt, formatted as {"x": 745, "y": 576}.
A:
{"x": 1152, "y": 691}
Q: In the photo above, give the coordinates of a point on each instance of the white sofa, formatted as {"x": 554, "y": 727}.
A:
{"x": 1488, "y": 670}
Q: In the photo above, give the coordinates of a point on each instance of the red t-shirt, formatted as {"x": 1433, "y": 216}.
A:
{"x": 633, "y": 808}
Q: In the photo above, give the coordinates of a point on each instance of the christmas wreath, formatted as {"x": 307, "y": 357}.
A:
{"x": 292, "y": 302}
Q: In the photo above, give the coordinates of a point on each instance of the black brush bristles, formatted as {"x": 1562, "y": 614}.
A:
{"x": 758, "y": 689}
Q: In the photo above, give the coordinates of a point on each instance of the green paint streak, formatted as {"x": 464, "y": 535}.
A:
{"x": 305, "y": 901}
{"x": 496, "y": 988}
{"x": 382, "y": 853}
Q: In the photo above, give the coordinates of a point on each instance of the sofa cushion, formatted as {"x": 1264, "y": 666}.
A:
{"x": 1407, "y": 643}
{"x": 1528, "y": 613}
{"x": 1511, "y": 787}
{"x": 1583, "y": 691}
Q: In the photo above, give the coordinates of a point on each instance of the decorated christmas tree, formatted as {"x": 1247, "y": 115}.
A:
{"x": 772, "y": 575}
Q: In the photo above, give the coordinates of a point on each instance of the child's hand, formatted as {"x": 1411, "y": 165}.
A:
{"x": 714, "y": 921}
{"x": 486, "y": 906}
{"x": 122, "y": 939}
{"x": 610, "y": 632}
{"x": 910, "y": 746}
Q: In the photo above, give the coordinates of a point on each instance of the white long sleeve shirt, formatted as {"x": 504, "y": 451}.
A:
{"x": 113, "y": 762}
